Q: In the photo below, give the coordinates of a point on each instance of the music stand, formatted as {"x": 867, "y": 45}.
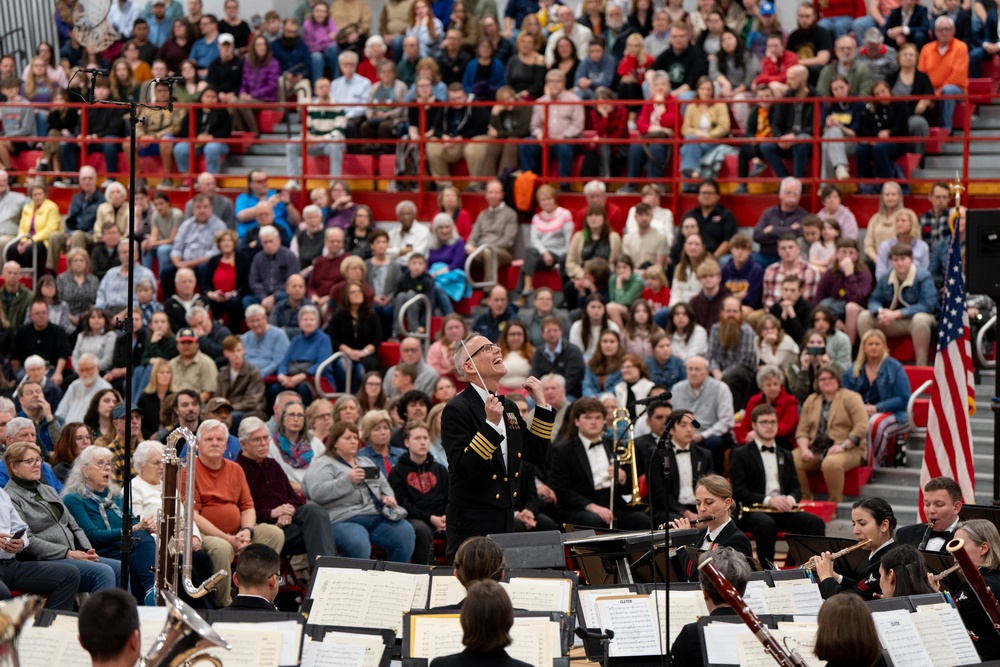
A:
{"x": 542, "y": 550}
{"x": 991, "y": 514}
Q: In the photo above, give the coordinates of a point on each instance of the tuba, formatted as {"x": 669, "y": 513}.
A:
{"x": 184, "y": 638}
{"x": 626, "y": 456}
{"x": 13, "y": 615}
{"x": 175, "y": 524}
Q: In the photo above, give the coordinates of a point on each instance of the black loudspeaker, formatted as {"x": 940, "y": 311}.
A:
{"x": 982, "y": 252}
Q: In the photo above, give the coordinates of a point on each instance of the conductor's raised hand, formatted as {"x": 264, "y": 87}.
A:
{"x": 534, "y": 388}
{"x": 494, "y": 410}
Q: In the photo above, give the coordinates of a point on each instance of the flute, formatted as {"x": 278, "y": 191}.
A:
{"x": 986, "y": 598}
{"x": 834, "y": 556}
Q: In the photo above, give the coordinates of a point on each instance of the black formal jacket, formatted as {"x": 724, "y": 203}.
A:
{"x": 664, "y": 508}
{"x": 686, "y": 651}
{"x": 469, "y": 658}
{"x": 731, "y": 536}
{"x": 251, "y": 603}
{"x": 867, "y": 585}
{"x": 920, "y": 25}
{"x": 914, "y": 535}
{"x": 985, "y": 638}
{"x": 746, "y": 472}
{"x": 571, "y": 478}
{"x": 477, "y": 478}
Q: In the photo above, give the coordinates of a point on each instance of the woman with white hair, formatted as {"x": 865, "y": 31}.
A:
{"x": 307, "y": 244}
{"x": 96, "y": 504}
{"x": 446, "y": 263}
{"x": 305, "y": 352}
{"x": 114, "y": 209}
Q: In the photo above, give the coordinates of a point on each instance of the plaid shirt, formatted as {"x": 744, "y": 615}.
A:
{"x": 720, "y": 358}
{"x": 774, "y": 274}
{"x": 934, "y": 228}
{"x": 117, "y": 447}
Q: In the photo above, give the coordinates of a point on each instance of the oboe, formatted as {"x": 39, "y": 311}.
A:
{"x": 843, "y": 552}
{"x": 732, "y": 597}
{"x": 975, "y": 578}
{"x": 927, "y": 535}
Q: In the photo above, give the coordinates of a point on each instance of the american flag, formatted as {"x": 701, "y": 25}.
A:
{"x": 948, "y": 446}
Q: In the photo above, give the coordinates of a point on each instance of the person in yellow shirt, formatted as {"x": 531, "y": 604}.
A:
{"x": 39, "y": 218}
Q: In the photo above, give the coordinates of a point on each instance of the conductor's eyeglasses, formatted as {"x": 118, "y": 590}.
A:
{"x": 489, "y": 347}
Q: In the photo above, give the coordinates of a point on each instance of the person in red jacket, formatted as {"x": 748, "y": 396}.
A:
{"x": 771, "y": 380}
{"x": 609, "y": 121}
{"x": 774, "y": 66}
{"x": 657, "y": 120}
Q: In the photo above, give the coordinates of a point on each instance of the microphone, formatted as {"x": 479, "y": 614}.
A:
{"x": 96, "y": 72}
{"x": 169, "y": 80}
{"x": 661, "y": 397}
{"x": 586, "y": 633}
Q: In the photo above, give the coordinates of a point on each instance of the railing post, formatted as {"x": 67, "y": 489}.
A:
{"x": 545, "y": 142}
{"x": 421, "y": 152}
{"x": 967, "y": 117}
{"x": 816, "y": 155}
{"x": 675, "y": 149}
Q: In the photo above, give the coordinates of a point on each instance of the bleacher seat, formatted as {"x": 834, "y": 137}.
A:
{"x": 921, "y": 379}
{"x": 267, "y": 119}
{"x": 901, "y": 349}
{"x": 853, "y": 480}
{"x": 388, "y": 353}
{"x": 26, "y": 160}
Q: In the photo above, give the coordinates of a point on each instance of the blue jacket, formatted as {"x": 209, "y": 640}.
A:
{"x": 267, "y": 352}
{"x": 921, "y": 296}
{"x": 497, "y": 74}
{"x": 315, "y": 348}
{"x": 485, "y": 325}
{"x": 750, "y": 279}
{"x": 592, "y": 383}
{"x": 668, "y": 374}
{"x": 601, "y": 73}
{"x": 299, "y": 56}
{"x": 892, "y": 384}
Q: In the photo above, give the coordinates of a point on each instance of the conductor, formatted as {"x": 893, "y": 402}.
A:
{"x": 486, "y": 440}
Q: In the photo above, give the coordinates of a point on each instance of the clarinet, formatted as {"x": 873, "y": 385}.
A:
{"x": 732, "y": 597}
{"x": 986, "y": 598}
{"x": 927, "y": 536}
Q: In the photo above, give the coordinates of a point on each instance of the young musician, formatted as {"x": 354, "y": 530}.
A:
{"x": 487, "y": 617}
{"x": 982, "y": 543}
{"x": 256, "y": 576}
{"x": 714, "y": 498}
{"x": 942, "y": 503}
{"x": 687, "y": 462}
{"x": 764, "y": 474}
{"x": 485, "y": 439}
{"x": 581, "y": 474}
{"x": 902, "y": 572}
{"x": 846, "y": 634}
{"x": 109, "y": 628}
{"x": 686, "y": 651}
{"x": 873, "y": 519}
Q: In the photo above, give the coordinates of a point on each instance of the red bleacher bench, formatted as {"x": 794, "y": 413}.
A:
{"x": 267, "y": 119}
{"x": 26, "y": 160}
{"x": 901, "y": 349}
{"x": 388, "y": 353}
{"x": 853, "y": 480}
{"x": 918, "y": 408}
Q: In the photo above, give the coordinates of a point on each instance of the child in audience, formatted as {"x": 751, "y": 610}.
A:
{"x": 824, "y": 251}
{"x": 657, "y": 292}
{"x": 420, "y": 484}
{"x": 415, "y": 281}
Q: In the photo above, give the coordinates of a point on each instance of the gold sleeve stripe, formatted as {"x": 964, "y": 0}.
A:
{"x": 541, "y": 428}
{"x": 482, "y": 446}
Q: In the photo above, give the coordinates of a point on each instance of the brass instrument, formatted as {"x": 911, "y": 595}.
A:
{"x": 13, "y": 615}
{"x": 627, "y": 458}
{"x": 763, "y": 509}
{"x": 843, "y": 552}
{"x": 184, "y": 638}
{"x": 175, "y": 524}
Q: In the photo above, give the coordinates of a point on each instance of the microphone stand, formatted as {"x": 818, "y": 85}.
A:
{"x": 660, "y": 445}
{"x": 125, "y": 324}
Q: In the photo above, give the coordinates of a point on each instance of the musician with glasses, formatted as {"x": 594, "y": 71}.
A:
{"x": 942, "y": 503}
{"x": 486, "y": 440}
{"x": 257, "y": 575}
{"x": 764, "y": 478}
{"x": 982, "y": 543}
{"x": 874, "y": 525}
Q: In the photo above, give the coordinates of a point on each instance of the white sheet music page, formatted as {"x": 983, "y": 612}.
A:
{"x": 806, "y": 597}
{"x": 389, "y": 597}
{"x": 422, "y": 584}
{"x": 249, "y": 647}
{"x": 944, "y": 635}
{"x": 446, "y": 590}
{"x": 532, "y": 640}
{"x": 589, "y": 611}
{"x": 339, "y": 596}
{"x": 633, "y": 619}
{"x": 373, "y": 646}
{"x": 754, "y": 596}
{"x": 321, "y": 654}
{"x": 899, "y": 636}
{"x": 538, "y": 594}
{"x": 433, "y": 636}
{"x": 291, "y": 636}
{"x": 685, "y": 607}
{"x": 779, "y": 600}
{"x": 41, "y": 647}
{"x": 722, "y": 642}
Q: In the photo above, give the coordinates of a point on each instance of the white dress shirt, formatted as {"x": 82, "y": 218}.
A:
{"x": 599, "y": 463}
{"x": 937, "y": 543}
{"x": 772, "y": 483}
{"x": 685, "y": 476}
{"x": 712, "y": 536}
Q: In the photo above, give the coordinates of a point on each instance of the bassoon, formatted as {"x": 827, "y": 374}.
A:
{"x": 975, "y": 578}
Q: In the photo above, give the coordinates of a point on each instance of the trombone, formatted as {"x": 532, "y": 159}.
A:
{"x": 626, "y": 457}
{"x": 763, "y": 509}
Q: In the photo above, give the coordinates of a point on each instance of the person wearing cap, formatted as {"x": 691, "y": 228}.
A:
{"x": 117, "y": 445}
{"x": 878, "y": 56}
{"x": 225, "y": 73}
{"x": 222, "y": 410}
{"x": 193, "y": 369}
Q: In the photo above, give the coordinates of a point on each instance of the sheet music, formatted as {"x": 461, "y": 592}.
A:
{"x": 899, "y": 636}
{"x": 433, "y": 636}
{"x": 362, "y": 598}
{"x": 291, "y": 636}
{"x": 722, "y": 642}
{"x": 390, "y": 596}
{"x": 685, "y": 607}
{"x": 944, "y": 636}
{"x": 589, "y": 611}
{"x": 373, "y": 646}
{"x": 446, "y": 590}
{"x": 151, "y": 621}
{"x": 755, "y": 598}
{"x": 632, "y": 617}
{"x": 660, "y": 611}
{"x": 533, "y": 640}
{"x": 321, "y": 654}
{"x": 534, "y": 594}
{"x": 44, "y": 647}
{"x": 779, "y": 600}
{"x": 806, "y": 596}
{"x": 420, "y": 590}
{"x": 752, "y": 654}
{"x": 250, "y": 647}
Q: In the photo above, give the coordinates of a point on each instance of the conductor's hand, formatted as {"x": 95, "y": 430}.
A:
{"x": 824, "y": 565}
{"x": 534, "y": 388}
{"x": 494, "y": 410}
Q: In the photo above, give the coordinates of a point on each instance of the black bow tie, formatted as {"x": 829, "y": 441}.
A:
{"x": 764, "y": 448}
{"x": 681, "y": 451}
{"x": 943, "y": 534}
{"x": 596, "y": 443}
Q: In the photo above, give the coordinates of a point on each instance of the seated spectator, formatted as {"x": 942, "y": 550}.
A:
{"x": 731, "y": 354}
{"x": 776, "y": 223}
{"x": 835, "y": 445}
{"x": 104, "y": 256}
{"x": 790, "y": 122}
{"x": 206, "y": 49}
{"x": 623, "y": 289}
{"x": 656, "y": 120}
{"x": 425, "y": 377}
{"x": 304, "y": 354}
{"x": 43, "y": 338}
{"x": 411, "y": 236}
{"x": 904, "y": 303}
{"x": 775, "y": 65}
{"x": 156, "y": 394}
{"x": 609, "y": 122}
{"x": 792, "y": 310}
{"x": 420, "y": 484}
{"x": 484, "y": 75}
{"x": 633, "y": 386}
{"x": 319, "y": 34}
{"x": 885, "y": 389}
{"x": 559, "y": 356}
{"x": 499, "y": 312}
{"x": 75, "y": 438}
{"x": 240, "y": 382}
{"x": 452, "y": 59}
{"x": 222, "y": 206}
{"x": 383, "y": 122}
{"x": 324, "y": 134}
{"x": 80, "y": 392}
{"x": 744, "y": 276}
{"x": 882, "y": 119}
{"x": 526, "y": 70}
{"x": 194, "y": 245}
{"x": 758, "y": 125}
{"x": 771, "y": 381}
{"x": 908, "y": 23}
{"x": 11, "y": 205}
{"x": 113, "y": 290}
{"x": 550, "y": 237}
{"x": 701, "y": 121}
{"x": 935, "y": 222}
{"x": 465, "y": 21}
{"x": 416, "y": 281}
{"x": 186, "y": 298}
{"x": 845, "y": 287}
{"x": 19, "y": 122}
{"x": 453, "y": 131}
{"x": 596, "y": 241}
{"x": 294, "y": 58}
{"x": 833, "y": 209}
{"x": 687, "y": 337}
{"x": 265, "y": 345}
{"x": 164, "y": 223}
{"x": 579, "y": 34}
{"x": 812, "y": 43}
{"x": 685, "y": 285}
{"x": 880, "y": 58}
{"x": 596, "y": 70}
{"x": 603, "y": 370}
{"x": 711, "y": 401}
{"x": 882, "y": 224}
{"x": 97, "y": 337}
{"x": 841, "y": 120}
{"x": 565, "y": 121}
{"x": 193, "y": 369}
{"x": 270, "y": 270}
{"x": 517, "y": 354}
{"x": 789, "y": 264}
{"x": 39, "y": 218}
{"x": 210, "y": 123}
{"x": 908, "y": 234}
{"x": 639, "y": 329}
{"x": 210, "y": 333}
{"x": 664, "y": 367}
{"x": 585, "y": 332}
{"x": 837, "y": 342}
{"x": 859, "y": 78}
{"x": 988, "y": 47}
{"x": 705, "y": 305}
{"x": 773, "y": 345}
{"x": 733, "y": 70}
{"x": 946, "y": 62}
{"x": 354, "y": 330}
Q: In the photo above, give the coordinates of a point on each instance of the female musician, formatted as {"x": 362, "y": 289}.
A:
{"x": 982, "y": 543}
{"x": 903, "y": 572}
{"x": 873, "y": 520}
{"x": 714, "y": 499}
{"x": 486, "y": 622}
{"x": 846, "y": 634}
